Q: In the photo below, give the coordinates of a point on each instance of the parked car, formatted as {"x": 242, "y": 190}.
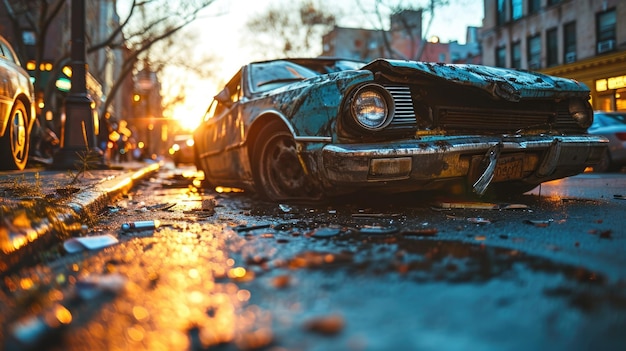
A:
{"x": 306, "y": 129}
{"x": 17, "y": 114}
{"x": 612, "y": 125}
{"x": 182, "y": 151}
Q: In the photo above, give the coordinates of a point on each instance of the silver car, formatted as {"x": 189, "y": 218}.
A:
{"x": 611, "y": 125}
{"x": 17, "y": 110}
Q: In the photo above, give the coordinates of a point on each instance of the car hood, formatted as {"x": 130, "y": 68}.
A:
{"x": 501, "y": 83}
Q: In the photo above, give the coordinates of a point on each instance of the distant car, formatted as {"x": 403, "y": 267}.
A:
{"x": 306, "y": 129}
{"x": 17, "y": 113}
{"x": 182, "y": 150}
{"x": 612, "y": 125}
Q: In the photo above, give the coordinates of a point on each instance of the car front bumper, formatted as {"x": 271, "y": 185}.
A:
{"x": 420, "y": 163}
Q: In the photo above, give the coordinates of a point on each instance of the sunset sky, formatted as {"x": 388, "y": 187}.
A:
{"x": 223, "y": 38}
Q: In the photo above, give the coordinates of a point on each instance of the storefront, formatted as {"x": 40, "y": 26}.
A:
{"x": 604, "y": 75}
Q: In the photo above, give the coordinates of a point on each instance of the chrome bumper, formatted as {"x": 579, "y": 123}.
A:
{"x": 434, "y": 158}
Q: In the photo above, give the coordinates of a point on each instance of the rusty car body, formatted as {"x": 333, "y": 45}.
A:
{"x": 17, "y": 114}
{"x": 306, "y": 129}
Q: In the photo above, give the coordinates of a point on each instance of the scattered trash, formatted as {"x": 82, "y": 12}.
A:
{"x": 479, "y": 220}
{"x": 33, "y": 330}
{"x": 602, "y": 234}
{"x": 539, "y": 223}
{"x": 285, "y": 208}
{"x": 420, "y": 232}
{"x": 327, "y": 325}
{"x": 325, "y": 232}
{"x": 208, "y": 205}
{"x": 469, "y": 205}
{"x": 378, "y": 230}
{"x": 281, "y": 281}
{"x": 89, "y": 243}
{"x": 244, "y": 228}
{"x": 161, "y": 207}
{"x": 480, "y": 238}
{"x": 141, "y": 225}
{"x": 94, "y": 285}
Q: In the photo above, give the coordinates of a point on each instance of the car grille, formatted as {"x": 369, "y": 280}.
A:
{"x": 404, "y": 114}
{"x": 496, "y": 118}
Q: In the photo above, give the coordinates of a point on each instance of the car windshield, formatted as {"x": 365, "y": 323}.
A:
{"x": 266, "y": 76}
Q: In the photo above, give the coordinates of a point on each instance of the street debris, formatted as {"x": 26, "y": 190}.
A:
{"x": 244, "y": 228}
{"x": 141, "y": 225}
{"x": 539, "y": 223}
{"x": 94, "y": 285}
{"x": 325, "y": 232}
{"x": 619, "y": 197}
{"x": 470, "y": 205}
{"x": 420, "y": 232}
{"x": 479, "y": 220}
{"x": 602, "y": 234}
{"x": 89, "y": 243}
{"x": 284, "y": 208}
{"x": 327, "y": 325}
{"x": 378, "y": 230}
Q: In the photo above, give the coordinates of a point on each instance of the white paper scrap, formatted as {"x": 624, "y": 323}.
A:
{"x": 89, "y": 243}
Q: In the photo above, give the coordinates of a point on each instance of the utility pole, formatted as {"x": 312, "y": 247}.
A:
{"x": 79, "y": 148}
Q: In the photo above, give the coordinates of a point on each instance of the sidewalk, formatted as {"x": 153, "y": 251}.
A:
{"x": 40, "y": 207}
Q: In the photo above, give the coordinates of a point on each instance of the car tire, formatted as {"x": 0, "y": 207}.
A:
{"x": 278, "y": 173}
{"x": 15, "y": 142}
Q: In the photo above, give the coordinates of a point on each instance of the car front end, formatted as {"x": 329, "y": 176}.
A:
{"x": 419, "y": 126}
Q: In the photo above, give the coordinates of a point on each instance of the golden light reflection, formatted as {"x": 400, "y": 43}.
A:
{"x": 140, "y": 313}
{"x": 62, "y": 314}
{"x": 223, "y": 189}
{"x": 238, "y": 272}
{"x": 26, "y": 283}
{"x": 243, "y": 295}
{"x": 136, "y": 333}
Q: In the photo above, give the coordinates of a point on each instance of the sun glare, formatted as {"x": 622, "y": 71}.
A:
{"x": 188, "y": 117}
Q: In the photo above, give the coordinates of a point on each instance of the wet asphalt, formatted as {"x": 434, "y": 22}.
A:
{"x": 226, "y": 271}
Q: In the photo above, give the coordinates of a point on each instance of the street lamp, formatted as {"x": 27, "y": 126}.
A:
{"x": 78, "y": 141}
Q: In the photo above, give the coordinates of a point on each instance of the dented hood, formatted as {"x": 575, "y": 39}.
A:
{"x": 502, "y": 83}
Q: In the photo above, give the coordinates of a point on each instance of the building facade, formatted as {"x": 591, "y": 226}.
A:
{"x": 403, "y": 40}
{"x": 580, "y": 39}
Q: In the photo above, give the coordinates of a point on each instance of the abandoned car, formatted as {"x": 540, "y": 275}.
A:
{"x": 307, "y": 129}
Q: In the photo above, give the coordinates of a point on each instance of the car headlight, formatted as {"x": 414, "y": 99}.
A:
{"x": 581, "y": 112}
{"x": 372, "y": 107}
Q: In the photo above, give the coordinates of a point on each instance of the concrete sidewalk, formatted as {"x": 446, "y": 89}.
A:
{"x": 40, "y": 208}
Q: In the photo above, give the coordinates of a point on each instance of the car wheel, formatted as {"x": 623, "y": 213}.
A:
{"x": 15, "y": 141}
{"x": 605, "y": 164}
{"x": 279, "y": 175}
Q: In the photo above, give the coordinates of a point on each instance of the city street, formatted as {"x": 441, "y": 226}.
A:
{"x": 417, "y": 271}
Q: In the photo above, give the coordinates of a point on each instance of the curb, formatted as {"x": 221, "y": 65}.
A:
{"x": 33, "y": 226}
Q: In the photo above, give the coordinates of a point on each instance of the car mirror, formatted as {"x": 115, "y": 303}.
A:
{"x": 224, "y": 97}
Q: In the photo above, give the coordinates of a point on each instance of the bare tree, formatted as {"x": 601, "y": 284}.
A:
{"x": 381, "y": 10}
{"x": 291, "y": 28}
{"x": 144, "y": 25}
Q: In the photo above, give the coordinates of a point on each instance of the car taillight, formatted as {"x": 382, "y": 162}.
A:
{"x": 621, "y": 136}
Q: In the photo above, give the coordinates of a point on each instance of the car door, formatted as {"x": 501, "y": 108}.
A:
{"x": 219, "y": 140}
